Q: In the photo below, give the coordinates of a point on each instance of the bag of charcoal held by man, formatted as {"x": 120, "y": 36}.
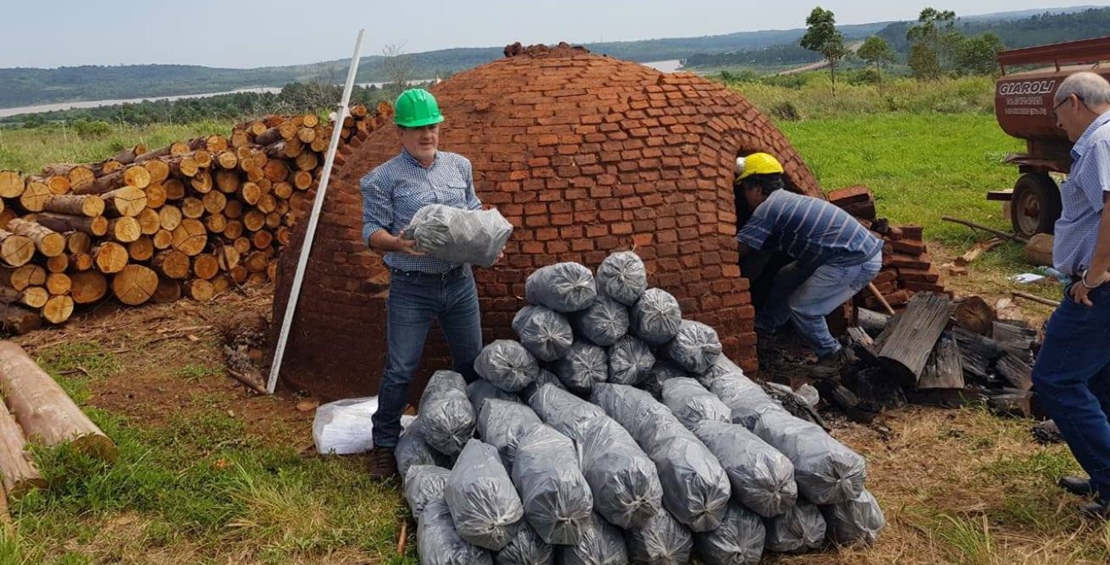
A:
{"x": 485, "y": 506}
{"x": 459, "y": 236}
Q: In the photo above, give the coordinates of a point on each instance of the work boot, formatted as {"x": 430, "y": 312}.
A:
{"x": 830, "y": 366}
{"x": 383, "y": 465}
{"x": 1095, "y": 510}
{"x": 1076, "y": 485}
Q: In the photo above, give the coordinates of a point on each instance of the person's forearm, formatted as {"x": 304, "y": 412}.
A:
{"x": 382, "y": 240}
{"x": 1100, "y": 262}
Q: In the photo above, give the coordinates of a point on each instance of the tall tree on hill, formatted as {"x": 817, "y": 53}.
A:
{"x": 823, "y": 37}
{"x": 978, "y": 55}
{"x": 876, "y": 51}
{"x": 933, "y": 40}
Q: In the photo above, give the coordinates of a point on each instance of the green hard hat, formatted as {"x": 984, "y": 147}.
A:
{"x": 416, "y": 108}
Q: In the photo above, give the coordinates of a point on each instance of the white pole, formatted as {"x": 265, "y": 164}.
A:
{"x": 314, "y": 218}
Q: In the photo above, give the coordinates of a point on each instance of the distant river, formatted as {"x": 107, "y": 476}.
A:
{"x": 662, "y": 66}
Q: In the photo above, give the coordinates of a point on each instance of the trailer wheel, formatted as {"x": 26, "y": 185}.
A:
{"x": 1035, "y": 205}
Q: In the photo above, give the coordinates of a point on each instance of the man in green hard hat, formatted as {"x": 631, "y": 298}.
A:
{"x": 422, "y": 288}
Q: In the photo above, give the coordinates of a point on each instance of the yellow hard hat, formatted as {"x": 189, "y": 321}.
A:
{"x": 756, "y": 164}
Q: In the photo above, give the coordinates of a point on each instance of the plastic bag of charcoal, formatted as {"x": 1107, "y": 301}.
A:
{"x": 459, "y": 236}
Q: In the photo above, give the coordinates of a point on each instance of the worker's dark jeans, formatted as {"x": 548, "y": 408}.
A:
{"x": 1072, "y": 381}
{"x": 414, "y": 302}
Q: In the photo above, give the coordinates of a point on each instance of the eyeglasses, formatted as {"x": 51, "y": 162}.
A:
{"x": 1061, "y": 103}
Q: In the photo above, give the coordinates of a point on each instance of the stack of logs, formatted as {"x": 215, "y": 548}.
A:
{"x": 195, "y": 217}
{"x": 907, "y": 267}
{"x": 939, "y": 352}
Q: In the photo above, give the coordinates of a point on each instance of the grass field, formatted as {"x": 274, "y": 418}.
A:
{"x": 209, "y": 475}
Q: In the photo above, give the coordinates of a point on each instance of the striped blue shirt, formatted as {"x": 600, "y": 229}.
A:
{"x": 394, "y": 191}
{"x": 1082, "y": 196}
{"x": 810, "y": 230}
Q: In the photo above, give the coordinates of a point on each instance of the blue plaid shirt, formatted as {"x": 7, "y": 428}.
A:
{"x": 1082, "y": 196}
{"x": 810, "y": 230}
{"x": 394, "y": 191}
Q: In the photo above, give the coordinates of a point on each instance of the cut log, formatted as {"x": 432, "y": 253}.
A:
{"x": 276, "y": 170}
{"x": 227, "y": 160}
{"x": 78, "y": 242}
{"x": 190, "y": 237}
{"x": 155, "y": 196}
{"x": 214, "y": 202}
{"x": 227, "y": 182}
{"x": 1015, "y": 372}
{"x": 55, "y": 183}
{"x": 125, "y": 229}
{"x": 199, "y": 290}
{"x": 110, "y": 257}
{"x": 175, "y": 189}
{"x": 35, "y": 196}
{"x": 202, "y": 182}
{"x": 11, "y": 184}
{"x": 283, "y": 235}
{"x": 1015, "y": 339}
{"x": 141, "y": 249}
{"x": 17, "y": 466}
{"x": 81, "y": 261}
{"x": 134, "y": 285}
{"x": 134, "y": 176}
{"x": 906, "y": 352}
{"x": 233, "y": 229}
{"x": 88, "y": 287}
{"x": 169, "y": 217}
{"x": 302, "y": 180}
{"x": 234, "y": 209}
{"x": 172, "y": 263}
{"x": 42, "y": 408}
{"x": 205, "y": 266}
{"x": 977, "y": 354}
{"x": 254, "y": 220}
{"x": 267, "y": 204}
{"x": 256, "y": 262}
{"x": 239, "y": 274}
{"x": 871, "y": 321}
{"x": 262, "y": 239}
{"x": 184, "y": 165}
{"x": 282, "y": 190}
{"x": 943, "y": 369}
{"x": 48, "y": 242}
{"x": 168, "y": 291}
{"x": 15, "y": 250}
{"x": 308, "y": 161}
{"x": 974, "y": 315}
{"x": 1010, "y": 402}
{"x": 228, "y": 257}
{"x": 242, "y": 245}
{"x": 22, "y": 277}
{"x": 58, "y": 309}
{"x": 159, "y": 171}
{"x": 17, "y": 320}
{"x": 220, "y": 284}
{"x": 97, "y": 226}
{"x": 74, "y": 205}
{"x": 126, "y": 201}
{"x": 1039, "y": 249}
{"x": 163, "y": 239}
{"x": 216, "y": 223}
{"x": 34, "y": 296}
{"x": 127, "y": 156}
{"x": 268, "y": 136}
{"x": 58, "y": 284}
{"x": 58, "y": 264}
{"x": 977, "y": 250}
{"x": 149, "y": 221}
{"x": 79, "y": 175}
{"x": 192, "y": 207}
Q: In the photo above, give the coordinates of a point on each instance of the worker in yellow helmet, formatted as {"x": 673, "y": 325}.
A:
{"x": 834, "y": 256}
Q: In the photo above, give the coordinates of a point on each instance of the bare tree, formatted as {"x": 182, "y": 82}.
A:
{"x": 399, "y": 67}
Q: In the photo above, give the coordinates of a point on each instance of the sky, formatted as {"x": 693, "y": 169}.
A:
{"x": 253, "y": 33}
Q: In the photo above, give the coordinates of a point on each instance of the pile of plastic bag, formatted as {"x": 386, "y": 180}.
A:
{"x": 613, "y": 431}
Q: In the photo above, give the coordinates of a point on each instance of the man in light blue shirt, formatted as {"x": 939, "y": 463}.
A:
{"x": 834, "y": 256}
{"x": 422, "y": 288}
{"x": 1072, "y": 374}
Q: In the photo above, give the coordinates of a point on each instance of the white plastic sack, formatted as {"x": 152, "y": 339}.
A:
{"x": 562, "y": 287}
{"x": 655, "y": 317}
{"x": 547, "y": 334}
{"x": 343, "y": 427}
{"x": 459, "y": 236}
{"x": 622, "y": 277}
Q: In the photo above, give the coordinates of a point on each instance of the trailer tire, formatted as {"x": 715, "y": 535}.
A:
{"x": 1035, "y": 205}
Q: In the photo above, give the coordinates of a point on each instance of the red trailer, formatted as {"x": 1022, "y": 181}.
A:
{"x": 1023, "y": 105}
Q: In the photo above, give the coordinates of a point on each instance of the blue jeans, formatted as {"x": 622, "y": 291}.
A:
{"x": 804, "y": 296}
{"x": 414, "y": 302}
{"x": 1072, "y": 380}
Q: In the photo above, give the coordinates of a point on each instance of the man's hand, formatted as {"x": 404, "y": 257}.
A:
{"x": 1080, "y": 292}
{"x": 407, "y": 246}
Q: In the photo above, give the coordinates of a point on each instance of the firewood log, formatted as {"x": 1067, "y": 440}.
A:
{"x": 16, "y": 250}
{"x": 58, "y": 309}
{"x": 88, "y": 286}
{"x": 96, "y": 227}
{"x": 42, "y": 408}
{"x": 190, "y": 237}
{"x": 48, "y": 242}
{"x": 126, "y": 201}
{"x": 34, "y": 197}
{"x": 17, "y": 467}
{"x": 134, "y": 285}
{"x": 110, "y": 257}
{"x": 75, "y": 205}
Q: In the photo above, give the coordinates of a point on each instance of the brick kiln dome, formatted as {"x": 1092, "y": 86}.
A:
{"x": 585, "y": 155}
